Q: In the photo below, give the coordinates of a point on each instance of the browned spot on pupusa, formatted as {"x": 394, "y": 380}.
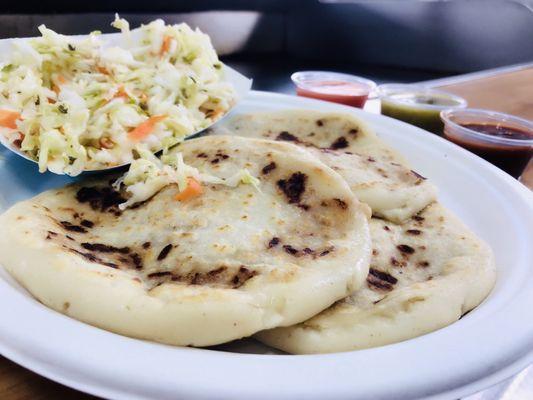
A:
{"x": 382, "y": 172}
{"x": 50, "y": 235}
{"x": 86, "y": 223}
{"x": 132, "y": 258}
{"x": 405, "y": 249}
{"x": 219, "y": 276}
{"x": 69, "y": 226}
{"x": 209, "y": 277}
{"x": 339, "y": 143}
{"x": 164, "y": 252}
{"x": 93, "y": 258}
{"x": 291, "y": 250}
{"x": 327, "y": 251}
{"x": 341, "y": 204}
{"x": 219, "y": 156}
{"x": 100, "y": 198}
{"x": 104, "y": 248}
{"x": 159, "y": 274}
{"x": 337, "y": 202}
{"x": 415, "y": 232}
{"x": 273, "y": 242}
{"x": 242, "y": 276}
{"x": 268, "y": 168}
{"x": 295, "y": 252}
{"x": 294, "y": 187}
{"x": 287, "y": 137}
{"x": 396, "y": 263}
{"x": 380, "y": 280}
{"x": 137, "y": 260}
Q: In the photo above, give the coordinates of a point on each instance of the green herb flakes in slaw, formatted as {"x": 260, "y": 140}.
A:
{"x": 75, "y": 104}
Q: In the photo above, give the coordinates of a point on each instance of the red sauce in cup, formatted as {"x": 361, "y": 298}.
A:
{"x": 512, "y": 160}
{"x": 349, "y": 93}
{"x": 501, "y": 139}
{"x": 335, "y": 87}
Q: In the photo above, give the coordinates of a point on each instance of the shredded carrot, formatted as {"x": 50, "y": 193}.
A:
{"x": 193, "y": 189}
{"x": 106, "y": 143}
{"x": 121, "y": 92}
{"x": 8, "y": 118}
{"x": 60, "y": 79}
{"x": 216, "y": 113}
{"x": 165, "y": 46}
{"x": 103, "y": 70}
{"x": 145, "y": 128}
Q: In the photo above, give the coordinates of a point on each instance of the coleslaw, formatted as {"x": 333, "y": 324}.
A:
{"x": 149, "y": 174}
{"x": 75, "y": 104}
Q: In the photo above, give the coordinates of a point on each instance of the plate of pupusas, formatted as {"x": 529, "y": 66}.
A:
{"x": 297, "y": 249}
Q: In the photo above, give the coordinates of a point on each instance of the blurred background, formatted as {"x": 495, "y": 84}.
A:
{"x": 384, "y": 40}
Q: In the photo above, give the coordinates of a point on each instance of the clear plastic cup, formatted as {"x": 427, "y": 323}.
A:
{"x": 336, "y": 87}
{"x": 417, "y": 105}
{"x": 504, "y": 140}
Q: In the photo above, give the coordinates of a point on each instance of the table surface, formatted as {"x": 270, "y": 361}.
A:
{"x": 18, "y": 383}
{"x": 510, "y": 92}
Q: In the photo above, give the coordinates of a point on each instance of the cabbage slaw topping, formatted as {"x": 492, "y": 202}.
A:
{"x": 75, "y": 104}
{"x": 149, "y": 174}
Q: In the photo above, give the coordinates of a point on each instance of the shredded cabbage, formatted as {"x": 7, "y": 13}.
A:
{"x": 79, "y": 98}
{"x": 148, "y": 174}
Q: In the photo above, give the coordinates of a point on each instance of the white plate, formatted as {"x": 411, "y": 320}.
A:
{"x": 489, "y": 344}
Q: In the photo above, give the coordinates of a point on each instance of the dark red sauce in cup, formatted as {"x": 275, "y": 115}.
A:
{"x": 501, "y": 139}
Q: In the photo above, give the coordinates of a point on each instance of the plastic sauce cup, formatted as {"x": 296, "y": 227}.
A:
{"x": 504, "y": 140}
{"x": 340, "y": 88}
{"x": 418, "y": 105}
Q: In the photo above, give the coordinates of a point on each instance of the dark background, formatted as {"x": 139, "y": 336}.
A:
{"x": 385, "y": 40}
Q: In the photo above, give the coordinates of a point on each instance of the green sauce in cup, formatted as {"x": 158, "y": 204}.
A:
{"x": 418, "y": 105}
